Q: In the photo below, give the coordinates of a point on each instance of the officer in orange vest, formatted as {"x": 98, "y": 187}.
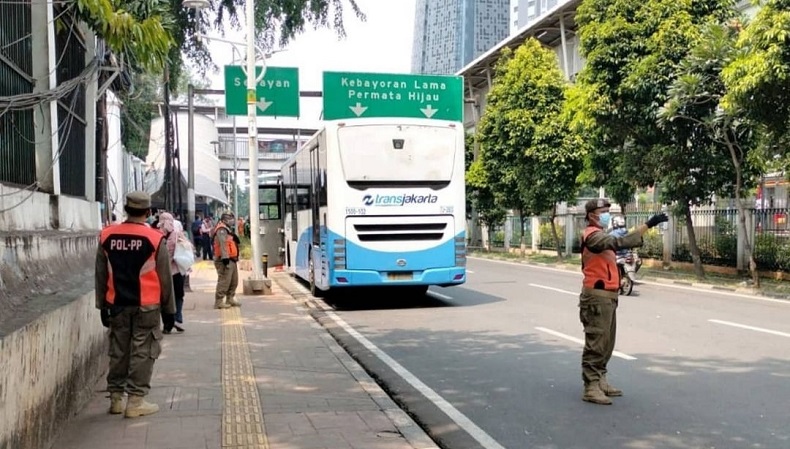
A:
{"x": 598, "y": 300}
{"x": 133, "y": 288}
{"x": 226, "y": 257}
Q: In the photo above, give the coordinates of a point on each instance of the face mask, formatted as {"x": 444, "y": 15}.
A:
{"x": 604, "y": 219}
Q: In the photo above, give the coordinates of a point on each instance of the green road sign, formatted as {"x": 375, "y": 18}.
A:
{"x": 277, "y": 93}
{"x": 348, "y": 95}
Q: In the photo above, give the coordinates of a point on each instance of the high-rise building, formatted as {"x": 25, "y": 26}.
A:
{"x": 448, "y": 34}
{"x": 523, "y": 12}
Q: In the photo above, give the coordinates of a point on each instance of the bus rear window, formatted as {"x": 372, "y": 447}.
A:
{"x": 397, "y": 153}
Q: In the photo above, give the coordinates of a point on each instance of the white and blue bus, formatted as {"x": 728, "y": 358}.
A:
{"x": 377, "y": 202}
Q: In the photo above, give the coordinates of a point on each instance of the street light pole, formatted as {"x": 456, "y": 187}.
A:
{"x": 252, "y": 134}
{"x": 190, "y": 157}
{"x": 235, "y": 173}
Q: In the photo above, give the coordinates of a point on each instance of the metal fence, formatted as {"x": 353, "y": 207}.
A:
{"x": 772, "y": 239}
{"x": 17, "y": 132}
{"x": 716, "y": 232}
{"x": 71, "y": 109}
{"x": 547, "y": 241}
{"x": 497, "y": 234}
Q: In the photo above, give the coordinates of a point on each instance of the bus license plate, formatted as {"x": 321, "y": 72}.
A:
{"x": 400, "y": 276}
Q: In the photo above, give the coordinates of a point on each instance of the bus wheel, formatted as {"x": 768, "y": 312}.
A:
{"x": 315, "y": 291}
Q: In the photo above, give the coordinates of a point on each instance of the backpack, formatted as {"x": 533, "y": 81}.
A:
{"x": 196, "y": 227}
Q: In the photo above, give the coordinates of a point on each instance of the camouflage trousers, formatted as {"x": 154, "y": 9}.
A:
{"x": 598, "y": 314}
{"x": 134, "y": 347}
{"x": 227, "y": 281}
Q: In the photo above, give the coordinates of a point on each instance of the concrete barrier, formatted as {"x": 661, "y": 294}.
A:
{"x": 52, "y": 343}
{"x": 48, "y": 369}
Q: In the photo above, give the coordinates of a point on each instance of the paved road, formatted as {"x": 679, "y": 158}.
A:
{"x": 500, "y": 358}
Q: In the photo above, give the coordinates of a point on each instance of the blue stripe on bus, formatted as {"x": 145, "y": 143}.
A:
{"x": 382, "y": 264}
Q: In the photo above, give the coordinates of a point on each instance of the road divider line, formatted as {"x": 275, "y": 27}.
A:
{"x": 581, "y": 342}
{"x": 545, "y": 287}
{"x": 460, "y": 419}
{"x": 751, "y": 328}
{"x": 440, "y": 296}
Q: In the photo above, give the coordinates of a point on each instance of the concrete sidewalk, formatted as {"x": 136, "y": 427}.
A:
{"x": 262, "y": 376}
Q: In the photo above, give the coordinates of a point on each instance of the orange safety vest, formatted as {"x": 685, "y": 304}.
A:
{"x": 230, "y": 245}
{"x": 599, "y": 269}
{"x": 131, "y": 252}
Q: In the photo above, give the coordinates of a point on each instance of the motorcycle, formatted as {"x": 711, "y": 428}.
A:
{"x": 628, "y": 265}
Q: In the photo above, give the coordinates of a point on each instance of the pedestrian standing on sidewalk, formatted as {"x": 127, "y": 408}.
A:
{"x": 598, "y": 300}
{"x": 226, "y": 257}
{"x": 169, "y": 227}
{"x": 133, "y": 282}
{"x": 205, "y": 231}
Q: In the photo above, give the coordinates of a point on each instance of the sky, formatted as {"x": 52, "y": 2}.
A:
{"x": 382, "y": 43}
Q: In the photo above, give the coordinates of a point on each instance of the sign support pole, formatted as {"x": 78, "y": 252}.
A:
{"x": 252, "y": 133}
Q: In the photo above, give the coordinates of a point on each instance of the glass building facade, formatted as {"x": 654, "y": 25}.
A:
{"x": 449, "y": 34}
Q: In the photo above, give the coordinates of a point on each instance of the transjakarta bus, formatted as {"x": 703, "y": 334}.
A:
{"x": 377, "y": 202}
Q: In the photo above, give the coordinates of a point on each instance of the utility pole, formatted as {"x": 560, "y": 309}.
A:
{"x": 168, "y": 174}
{"x": 235, "y": 173}
{"x": 252, "y": 133}
{"x": 191, "y": 156}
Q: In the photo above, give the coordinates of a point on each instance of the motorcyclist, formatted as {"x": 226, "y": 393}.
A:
{"x": 619, "y": 230}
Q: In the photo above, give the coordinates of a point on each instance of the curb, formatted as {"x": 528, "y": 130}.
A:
{"x": 657, "y": 280}
{"x": 412, "y": 433}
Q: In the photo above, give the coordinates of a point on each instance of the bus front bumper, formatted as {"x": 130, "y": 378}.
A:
{"x": 433, "y": 276}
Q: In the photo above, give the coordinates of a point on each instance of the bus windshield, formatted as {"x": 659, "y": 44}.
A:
{"x": 397, "y": 153}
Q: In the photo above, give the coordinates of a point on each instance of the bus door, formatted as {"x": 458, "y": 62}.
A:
{"x": 315, "y": 191}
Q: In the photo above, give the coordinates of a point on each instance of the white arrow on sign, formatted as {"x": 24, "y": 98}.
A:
{"x": 358, "y": 109}
{"x": 429, "y": 111}
{"x": 263, "y": 105}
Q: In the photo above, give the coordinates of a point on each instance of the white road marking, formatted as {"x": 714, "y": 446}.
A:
{"x": 658, "y": 284}
{"x": 581, "y": 342}
{"x": 439, "y": 295}
{"x": 470, "y": 272}
{"x": 460, "y": 419}
{"x": 751, "y": 328}
{"x": 545, "y": 287}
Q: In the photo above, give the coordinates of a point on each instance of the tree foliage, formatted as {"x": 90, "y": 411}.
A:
{"x": 758, "y": 80}
{"x": 633, "y": 50}
{"x": 695, "y": 102}
{"x": 528, "y": 156}
{"x": 142, "y": 30}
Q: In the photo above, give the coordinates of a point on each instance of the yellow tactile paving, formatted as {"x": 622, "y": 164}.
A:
{"x": 242, "y": 423}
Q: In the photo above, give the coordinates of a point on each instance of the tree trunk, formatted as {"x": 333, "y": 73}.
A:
{"x": 554, "y": 231}
{"x": 695, "y": 256}
{"x": 747, "y": 246}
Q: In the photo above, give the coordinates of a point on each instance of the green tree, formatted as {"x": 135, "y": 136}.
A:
{"x": 695, "y": 101}
{"x": 479, "y": 192}
{"x": 757, "y": 80}
{"x": 142, "y": 31}
{"x": 633, "y": 49}
{"x": 606, "y": 164}
{"x": 530, "y": 157}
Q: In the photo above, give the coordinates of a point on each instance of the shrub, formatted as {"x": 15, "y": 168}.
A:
{"x": 547, "y": 237}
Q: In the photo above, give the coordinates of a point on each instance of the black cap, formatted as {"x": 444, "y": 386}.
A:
{"x": 591, "y": 205}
